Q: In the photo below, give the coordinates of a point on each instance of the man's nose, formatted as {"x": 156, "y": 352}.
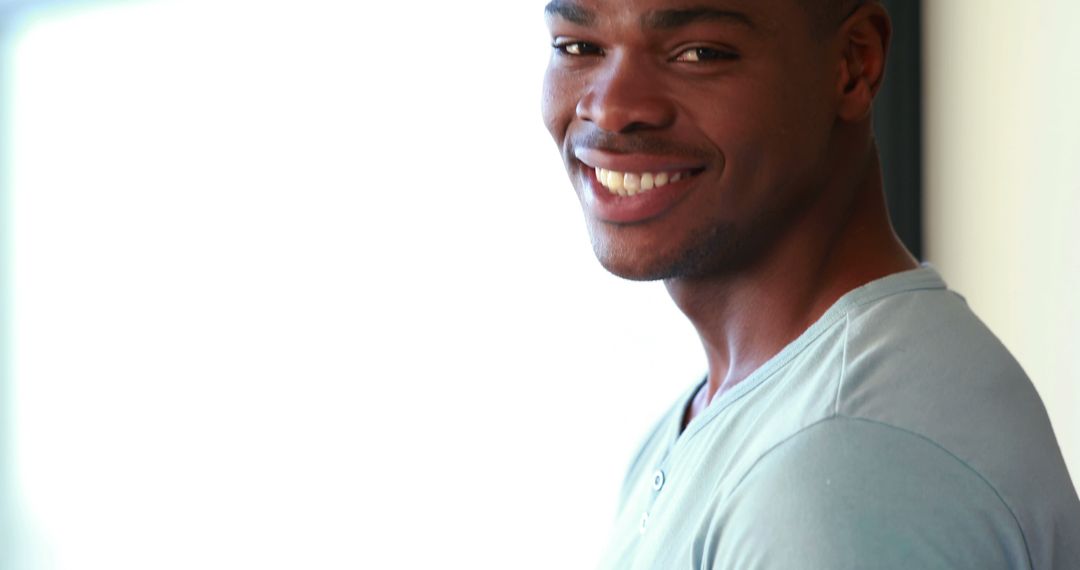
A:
{"x": 626, "y": 97}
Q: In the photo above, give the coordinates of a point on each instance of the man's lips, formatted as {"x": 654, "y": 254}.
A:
{"x": 633, "y": 188}
{"x": 636, "y": 163}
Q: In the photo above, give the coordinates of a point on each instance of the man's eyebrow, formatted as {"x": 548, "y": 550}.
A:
{"x": 677, "y": 18}
{"x": 573, "y": 13}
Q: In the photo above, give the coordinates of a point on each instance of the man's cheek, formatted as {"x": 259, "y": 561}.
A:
{"x": 550, "y": 106}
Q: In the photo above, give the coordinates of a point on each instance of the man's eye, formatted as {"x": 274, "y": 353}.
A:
{"x": 702, "y": 54}
{"x": 577, "y": 48}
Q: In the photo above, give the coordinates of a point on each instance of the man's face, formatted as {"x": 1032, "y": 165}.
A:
{"x": 695, "y": 132}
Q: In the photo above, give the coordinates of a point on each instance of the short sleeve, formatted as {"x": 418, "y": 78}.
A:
{"x": 850, "y": 493}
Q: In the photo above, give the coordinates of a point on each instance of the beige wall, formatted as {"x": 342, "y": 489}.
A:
{"x": 1003, "y": 181}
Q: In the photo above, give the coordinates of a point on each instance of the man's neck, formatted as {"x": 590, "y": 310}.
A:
{"x": 746, "y": 317}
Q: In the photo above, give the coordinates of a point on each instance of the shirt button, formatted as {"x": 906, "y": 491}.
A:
{"x": 644, "y": 523}
{"x": 658, "y": 480}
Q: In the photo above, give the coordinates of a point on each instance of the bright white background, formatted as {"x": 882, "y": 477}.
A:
{"x": 303, "y": 285}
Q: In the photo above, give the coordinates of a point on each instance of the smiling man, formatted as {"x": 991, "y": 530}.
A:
{"x": 856, "y": 414}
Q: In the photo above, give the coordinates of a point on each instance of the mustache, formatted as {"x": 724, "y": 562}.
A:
{"x": 635, "y": 143}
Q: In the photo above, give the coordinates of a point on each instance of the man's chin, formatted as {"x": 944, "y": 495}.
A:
{"x": 706, "y": 253}
{"x": 632, "y": 265}
{"x": 633, "y": 274}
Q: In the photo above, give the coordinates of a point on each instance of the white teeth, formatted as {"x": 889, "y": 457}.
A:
{"x": 614, "y": 181}
{"x": 630, "y": 183}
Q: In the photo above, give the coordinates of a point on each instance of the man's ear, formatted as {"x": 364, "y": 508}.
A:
{"x": 864, "y": 43}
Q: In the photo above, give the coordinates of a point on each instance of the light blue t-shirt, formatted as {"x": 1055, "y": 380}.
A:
{"x": 896, "y": 432}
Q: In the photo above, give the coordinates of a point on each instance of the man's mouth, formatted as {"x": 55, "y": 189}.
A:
{"x": 635, "y": 187}
{"x": 634, "y": 183}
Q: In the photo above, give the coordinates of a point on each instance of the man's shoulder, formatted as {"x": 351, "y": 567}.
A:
{"x": 932, "y": 328}
{"x": 922, "y": 363}
{"x": 923, "y": 358}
